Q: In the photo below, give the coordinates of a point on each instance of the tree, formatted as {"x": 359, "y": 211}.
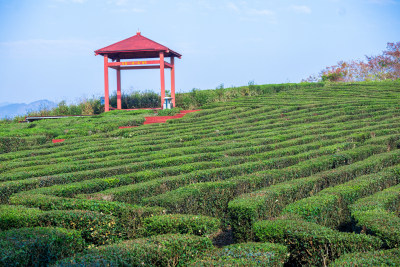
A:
{"x": 381, "y": 67}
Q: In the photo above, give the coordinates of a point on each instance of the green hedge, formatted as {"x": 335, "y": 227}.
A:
{"x": 374, "y": 258}
{"x": 161, "y": 250}
{"x": 330, "y": 206}
{"x": 96, "y": 228}
{"x": 168, "y": 112}
{"x": 136, "y": 192}
{"x": 310, "y": 243}
{"x": 246, "y": 254}
{"x": 38, "y": 246}
{"x": 197, "y": 98}
{"x": 10, "y": 144}
{"x": 269, "y": 202}
{"x": 181, "y": 224}
{"x": 18, "y": 216}
{"x": 130, "y": 216}
{"x": 376, "y": 214}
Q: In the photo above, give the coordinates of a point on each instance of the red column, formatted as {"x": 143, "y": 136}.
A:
{"x": 106, "y": 95}
{"x": 173, "y": 81}
{"x": 118, "y": 87}
{"x": 162, "y": 78}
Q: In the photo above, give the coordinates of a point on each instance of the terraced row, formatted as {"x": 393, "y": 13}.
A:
{"x": 314, "y": 160}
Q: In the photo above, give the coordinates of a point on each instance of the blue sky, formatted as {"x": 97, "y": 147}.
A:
{"x": 46, "y": 46}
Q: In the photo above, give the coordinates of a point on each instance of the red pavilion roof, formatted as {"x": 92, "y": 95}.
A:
{"x": 136, "y": 46}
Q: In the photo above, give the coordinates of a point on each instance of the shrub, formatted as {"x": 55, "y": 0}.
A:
{"x": 38, "y": 246}
{"x": 18, "y": 216}
{"x": 96, "y": 228}
{"x": 373, "y": 258}
{"x": 181, "y": 224}
{"x": 146, "y": 99}
{"x": 246, "y": 254}
{"x": 375, "y": 214}
{"x": 312, "y": 244}
{"x": 269, "y": 202}
{"x": 168, "y": 112}
{"x": 380, "y": 223}
{"x": 330, "y": 206}
{"x": 130, "y": 216}
{"x": 161, "y": 250}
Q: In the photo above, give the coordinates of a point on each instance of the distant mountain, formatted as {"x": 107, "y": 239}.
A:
{"x": 10, "y": 110}
{"x": 2, "y": 104}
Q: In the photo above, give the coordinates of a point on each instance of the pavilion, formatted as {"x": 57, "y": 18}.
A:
{"x": 137, "y": 47}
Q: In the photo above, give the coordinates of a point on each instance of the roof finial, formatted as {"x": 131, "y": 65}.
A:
{"x": 138, "y": 32}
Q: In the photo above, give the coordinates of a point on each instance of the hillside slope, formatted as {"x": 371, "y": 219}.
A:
{"x": 295, "y": 170}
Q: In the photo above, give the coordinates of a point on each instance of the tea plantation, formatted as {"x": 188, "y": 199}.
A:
{"x": 300, "y": 174}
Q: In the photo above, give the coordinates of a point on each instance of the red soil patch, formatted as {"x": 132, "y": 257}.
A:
{"x": 162, "y": 119}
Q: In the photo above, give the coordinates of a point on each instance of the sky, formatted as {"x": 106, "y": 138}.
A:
{"x": 47, "y": 46}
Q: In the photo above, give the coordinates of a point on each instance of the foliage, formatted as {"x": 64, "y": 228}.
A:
{"x": 245, "y": 254}
{"x": 16, "y": 136}
{"x": 314, "y": 150}
{"x": 375, "y": 68}
{"x": 168, "y": 112}
{"x": 18, "y": 216}
{"x": 330, "y": 206}
{"x": 146, "y": 99}
{"x": 38, "y": 246}
{"x": 197, "y": 98}
{"x": 95, "y": 227}
{"x": 312, "y": 244}
{"x": 377, "y": 214}
{"x": 162, "y": 250}
{"x": 373, "y": 258}
{"x": 181, "y": 224}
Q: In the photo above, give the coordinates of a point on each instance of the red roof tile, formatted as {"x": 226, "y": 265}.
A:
{"x": 136, "y": 46}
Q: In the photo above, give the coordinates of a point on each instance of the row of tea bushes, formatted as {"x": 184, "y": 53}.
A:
{"x": 245, "y": 210}
{"x": 389, "y": 257}
{"x": 99, "y": 184}
{"x": 135, "y": 193}
{"x": 211, "y": 198}
{"x": 130, "y": 217}
{"x": 245, "y": 254}
{"x": 110, "y": 161}
{"x": 330, "y": 206}
{"x": 312, "y": 244}
{"x": 161, "y": 250}
{"x": 378, "y": 214}
{"x": 39, "y": 246}
{"x": 95, "y": 227}
{"x": 258, "y": 115}
{"x": 181, "y": 224}
{"x": 130, "y": 221}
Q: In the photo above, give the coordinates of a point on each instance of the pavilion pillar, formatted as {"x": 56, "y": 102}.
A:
{"x": 106, "y": 95}
{"x": 118, "y": 87}
{"x": 162, "y": 78}
{"x": 173, "y": 81}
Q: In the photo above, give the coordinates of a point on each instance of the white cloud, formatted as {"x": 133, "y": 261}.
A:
{"x": 43, "y": 47}
{"x": 269, "y": 15}
{"x": 232, "y": 6}
{"x": 206, "y": 4}
{"x": 263, "y": 12}
{"x": 301, "y": 9}
{"x": 129, "y": 10}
